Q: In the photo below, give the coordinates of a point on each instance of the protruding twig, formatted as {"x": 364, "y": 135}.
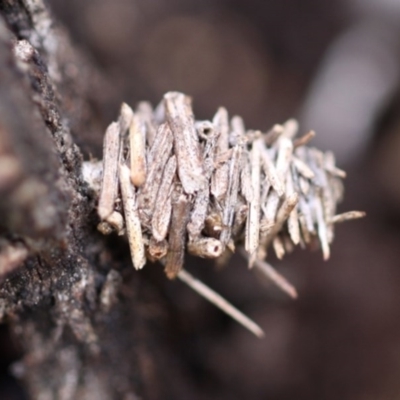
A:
{"x": 219, "y": 181}
{"x": 163, "y": 207}
{"x": 303, "y": 140}
{"x": 177, "y": 233}
{"x": 109, "y": 187}
{"x": 271, "y": 136}
{"x": 134, "y": 230}
{"x": 253, "y": 219}
{"x": 347, "y": 216}
{"x": 180, "y": 118}
{"x": 159, "y": 155}
{"x": 125, "y": 118}
{"x": 145, "y": 112}
{"x": 220, "y": 302}
{"x": 138, "y": 151}
{"x": 283, "y": 214}
{"x": 206, "y": 247}
{"x": 270, "y": 172}
{"x": 290, "y": 128}
{"x": 274, "y": 276}
{"x": 237, "y": 130}
{"x": 232, "y": 194}
{"x": 322, "y": 231}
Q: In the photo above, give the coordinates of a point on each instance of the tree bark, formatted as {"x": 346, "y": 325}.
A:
{"x": 86, "y": 332}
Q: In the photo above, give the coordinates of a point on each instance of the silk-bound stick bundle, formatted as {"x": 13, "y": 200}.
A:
{"x": 173, "y": 184}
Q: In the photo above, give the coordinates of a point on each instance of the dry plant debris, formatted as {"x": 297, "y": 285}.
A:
{"x": 173, "y": 184}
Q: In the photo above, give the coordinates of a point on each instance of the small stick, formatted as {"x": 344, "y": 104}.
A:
{"x": 231, "y": 245}
{"x": 105, "y": 228}
{"x": 223, "y": 259}
{"x": 284, "y": 157}
{"x": 278, "y": 247}
{"x": 138, "y": 151}
{"x": 204, "y": 129}
{"x": 219, "y": 180}
{"x": 267, "y": 222}
{"x": 270, "y": 210}
{"x": 301, "y": 141}
{"x": 347, "y": 216}
{"x": 303, "y": 168}
{"x": 329, "y": 209}
{"x": 290, "y": 128}
{"x": 253, "y": 218}
{"x": 241, "y": 211}
{"x": 232, "y": 194}
{"x": 293, "y": 220}
{"x": 273, "y": 135}
{"x": 177, "y": 234}
{"x": 205, "y": 247}
{"x": 157, "y": 250}
{"x": 133, "y": 228}
{"x": 220, "y": 302}
{"x": 221, "y": 123}
{"x": 287, "y": 243}
{"x": 246, "y": 188}
{"x": 283, "y": 214}
{"x": 238, "y": 130}
{"x": 305, "y": 211}
{"x": 336, "y": 172}
{"x": 270, "y": 172}
{"x": 186, "y": 145}
{"x": 329, "y": 165}
{"x": 265, "y": 190}
{"x": 306, "y": 233}
{"x": 274, "y": 276}
{"x": 116, "y": 220}
{"x": 337, "y": 189}
{"x": 163, "y": 207}
{"x": 125, "y": 118}
{"x": 252, "y": 135}
{"x": 159, "y": 154}
{"x": 213, "y": 224}
{"x": 109, "y": 187}
{"x": 315, "y": 162}
{"x": 145, "y": 112}
{"x": 159, "y": 113}
{"x": 199, "y": 211}
{"x": 322, "y": 231}
{"x": 221, "y": 159}
{"x": 304, "y": 185}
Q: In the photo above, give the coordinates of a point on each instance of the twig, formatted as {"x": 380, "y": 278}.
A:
{"x": 138, "y": 151}
{"x": 109, "y": 187}
{"x": 220, "y": 302}
{"x": 134, "y": 229}
{"x": 274, "y": 276}
{"x": 177, "y": 234}
{"x": 180, "y": 118}
{"x": 347, "y": 216}
{"x": 253, "y": 219}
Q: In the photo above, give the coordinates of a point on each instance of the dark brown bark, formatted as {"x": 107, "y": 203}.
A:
{"x": 85, "y": 332}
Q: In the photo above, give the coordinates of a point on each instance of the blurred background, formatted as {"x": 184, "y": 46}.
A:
{"x": 335, "y": 66}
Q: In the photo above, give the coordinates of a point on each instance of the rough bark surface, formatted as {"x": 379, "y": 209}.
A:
{"x": 60, "y": 280}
